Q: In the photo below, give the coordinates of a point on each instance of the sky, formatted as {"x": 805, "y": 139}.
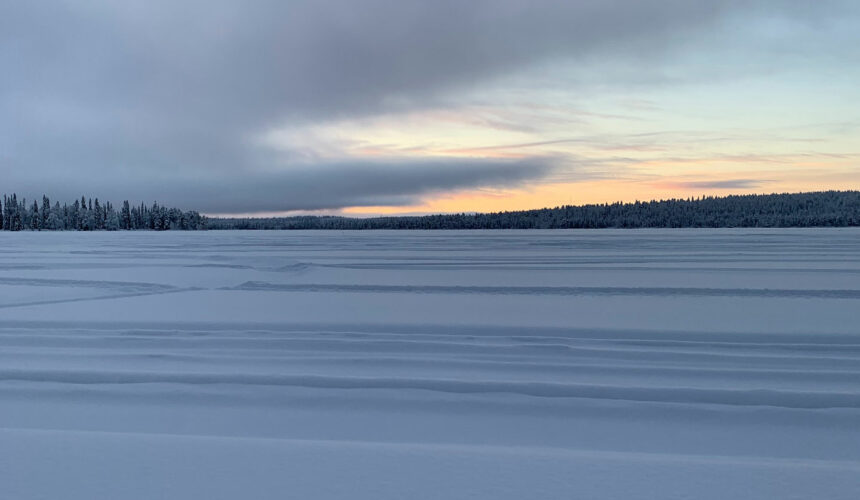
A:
{"x": 365, "y": 107}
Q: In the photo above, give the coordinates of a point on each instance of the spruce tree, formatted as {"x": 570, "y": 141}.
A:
{"x": 35, "y": 218}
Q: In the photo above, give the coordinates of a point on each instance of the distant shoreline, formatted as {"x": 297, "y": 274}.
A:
{"x": 813, "y": 209}
{"x": 786, "y": 210}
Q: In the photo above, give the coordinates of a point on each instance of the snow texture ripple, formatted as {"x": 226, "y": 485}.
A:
{"x": 660, "y": 364}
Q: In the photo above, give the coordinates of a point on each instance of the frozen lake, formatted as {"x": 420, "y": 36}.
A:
{"x": 383, "y": 365}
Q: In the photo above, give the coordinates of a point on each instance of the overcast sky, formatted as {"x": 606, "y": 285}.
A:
{"x": 354, "y": 106}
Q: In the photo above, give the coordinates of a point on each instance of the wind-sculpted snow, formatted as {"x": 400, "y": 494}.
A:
{"x": 553, "y": 290}
{"x": 563, "y": 364}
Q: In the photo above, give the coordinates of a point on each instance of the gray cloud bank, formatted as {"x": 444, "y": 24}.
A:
{"x": 161, "y": 99}
{"x": 324, "y": 185}
{"x": 723, "y": 184}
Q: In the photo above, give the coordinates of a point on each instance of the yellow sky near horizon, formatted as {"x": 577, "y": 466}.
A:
{"x": 590, "y": 192}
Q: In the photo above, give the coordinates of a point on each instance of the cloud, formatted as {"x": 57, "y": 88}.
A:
{"x": 718, "y": 184}
{"x": 159, "y": 98}
{"x": 331, "y": 185}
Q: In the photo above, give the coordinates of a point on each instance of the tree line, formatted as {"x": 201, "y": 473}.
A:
{"x": 87, "y": 214}
{"x": 816, "y": 209}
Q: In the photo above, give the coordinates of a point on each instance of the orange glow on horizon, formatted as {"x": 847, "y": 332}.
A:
{"x": 606, "y": 191}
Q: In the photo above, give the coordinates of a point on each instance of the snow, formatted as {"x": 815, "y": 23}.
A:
{"x": 659, "y": 364}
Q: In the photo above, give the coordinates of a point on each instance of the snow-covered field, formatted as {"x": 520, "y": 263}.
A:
{"x": 386, "y": 365}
